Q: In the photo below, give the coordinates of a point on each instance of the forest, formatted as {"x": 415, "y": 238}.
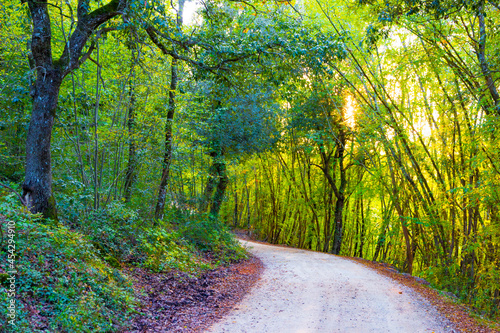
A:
{"x": 140, "y": 132}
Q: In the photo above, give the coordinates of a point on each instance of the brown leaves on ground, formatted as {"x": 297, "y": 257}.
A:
{"x": 175, "y": 302}
{"x": 456, "y": 313}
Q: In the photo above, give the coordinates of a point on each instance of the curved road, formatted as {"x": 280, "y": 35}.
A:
{"x": 305, "y": 291}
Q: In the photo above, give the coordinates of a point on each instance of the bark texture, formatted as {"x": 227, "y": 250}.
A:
{"x": 167, "y": 157}
{"x": 340, "y": 194}
{"x": 37, "y": 187}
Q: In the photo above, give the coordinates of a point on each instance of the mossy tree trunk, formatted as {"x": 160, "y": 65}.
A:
{"x": 222, "y": 181}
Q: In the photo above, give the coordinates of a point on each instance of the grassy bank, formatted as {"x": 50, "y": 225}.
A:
{"x": 69, "y": 275}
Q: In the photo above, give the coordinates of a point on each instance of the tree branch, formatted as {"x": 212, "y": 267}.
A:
{"x": 481, "y": 56}
{"x": 330, "y": 179}
{"x": 41, "y": 47}
{"x": 87, "y": 23}
{"x": 220, "y": 66}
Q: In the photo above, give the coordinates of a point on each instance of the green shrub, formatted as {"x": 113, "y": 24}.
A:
{"x": 166, "y": 250}
{"x": 481, "y": 292}
{"x": 208, "y": 234}
{"x": 113, "y": 230}
{"x": 68, "y": 272}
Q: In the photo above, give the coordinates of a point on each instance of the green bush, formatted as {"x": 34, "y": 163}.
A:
{"x": 166, "y": 250}
{"x": 114, "y": 230}
{"x": 120, "y": 236}
{"x": 481, "y": 292}
{"x": 208, "y": 234}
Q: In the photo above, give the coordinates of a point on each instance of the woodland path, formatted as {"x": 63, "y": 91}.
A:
{"x": 305, "y": 291}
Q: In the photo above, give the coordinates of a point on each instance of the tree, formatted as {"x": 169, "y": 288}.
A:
{"x": 236, "y": 127}
{"x": 252, "y": 52}
{"x": 167, "y": 156}
{"x": 50, "y": 73}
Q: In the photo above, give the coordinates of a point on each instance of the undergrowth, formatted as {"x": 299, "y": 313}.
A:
{"x": 61, "y": 283}
{"x": 69, "y": 274}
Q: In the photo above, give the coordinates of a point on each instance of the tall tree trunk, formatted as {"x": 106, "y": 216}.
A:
{"x": 483, "y": 62}
{"x": 363, "y": 227}
{"x": 167, "y": 157}
{"x": 235, "y": 216}
{"x": 397, "y": 205}
{"x": 130, "y": 175}
{"x": 339, "y": 228}
{"x": 248, "y": 203}
{"x": 386, "y": 217}
{"x": 222, "y": 181}
{"x": 37, "y": 187}
{"x": 209, "y": 189}
{"x": 340, "y": 194}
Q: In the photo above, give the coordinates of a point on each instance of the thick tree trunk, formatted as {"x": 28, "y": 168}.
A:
{"x": 209, "y": 189}
{"x": 37, "y": 187}
{"x": 218, "y": 181}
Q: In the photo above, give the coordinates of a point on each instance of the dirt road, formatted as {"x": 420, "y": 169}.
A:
{"x": 304, "y": 291}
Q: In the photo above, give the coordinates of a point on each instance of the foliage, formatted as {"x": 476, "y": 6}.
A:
{"x": 241, "y": 126}
{"x": 167, "y": 250}
{"x": 209, "y": 234}
{"x": 113, "y": 231}
{"x": 71, "y": 280}
{"x": 120, "y": 236}
{"x": 14, "y": 82}
{"x": 415, "y": 98}
{"x": 61, "y": 284}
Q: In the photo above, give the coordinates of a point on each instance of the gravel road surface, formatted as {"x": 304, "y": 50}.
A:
{"x": 305, "y": 291}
